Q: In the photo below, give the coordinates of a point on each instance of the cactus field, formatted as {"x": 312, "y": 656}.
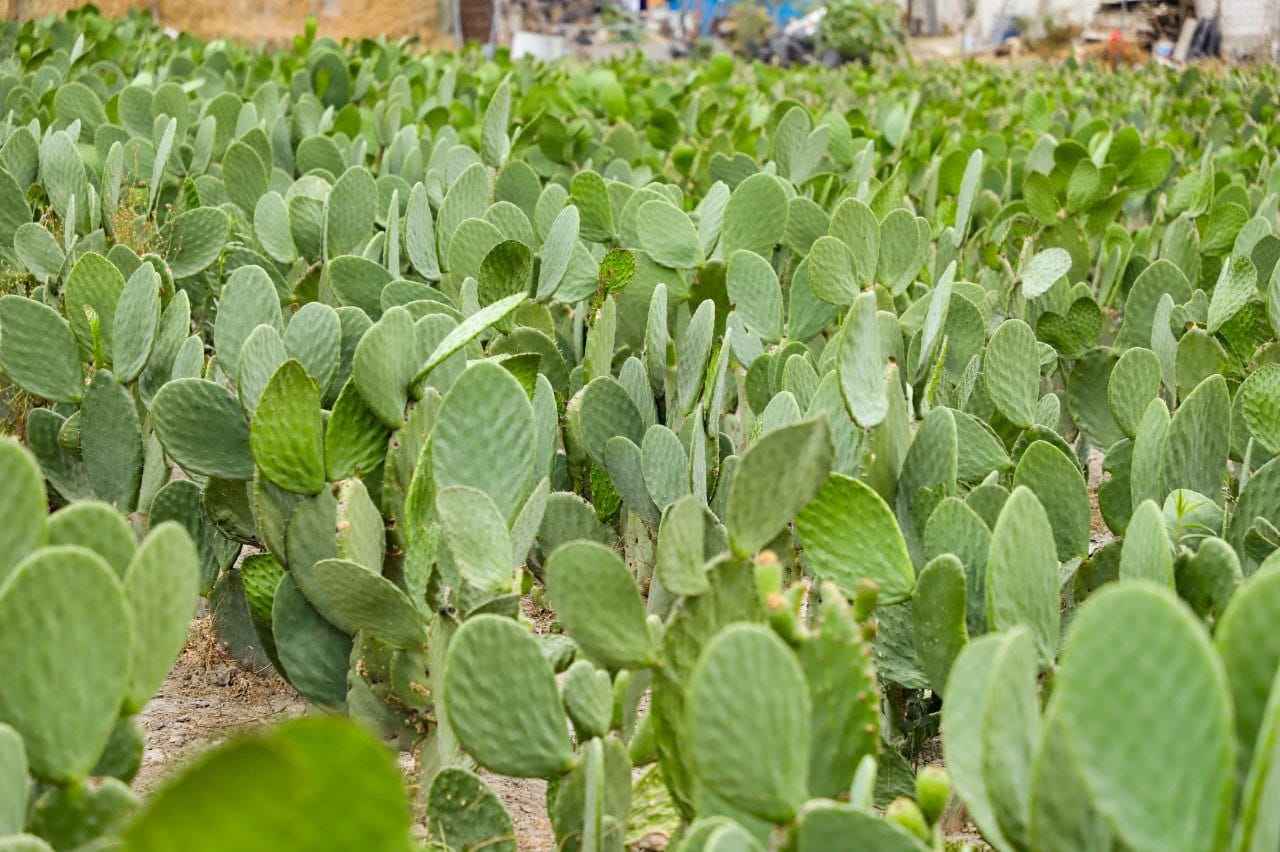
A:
{"x": 878, "y": 458}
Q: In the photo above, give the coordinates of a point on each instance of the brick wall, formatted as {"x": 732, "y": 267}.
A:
{"x": 276, "y": 21}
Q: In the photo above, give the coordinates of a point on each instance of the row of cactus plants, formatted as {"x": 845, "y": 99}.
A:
{"x": 783, "y": 404}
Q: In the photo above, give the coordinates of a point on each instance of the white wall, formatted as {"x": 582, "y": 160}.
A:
{"x": 987, "y": 13}
{"x": 1247, "y": 25}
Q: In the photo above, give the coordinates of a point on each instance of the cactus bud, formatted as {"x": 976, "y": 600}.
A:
{"x": 906, "y": 813}
{"x": 865, "y": 600}
{"x": 933, "y": 788}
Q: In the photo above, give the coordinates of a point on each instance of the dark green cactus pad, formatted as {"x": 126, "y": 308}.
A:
{"x": 831, "y": 825}
{"x": 778, "y": 476}
{"x": 97, "y": 527}
{"x": 38, "y": 350}
{"x": 587, "y": 694}
{"x": 355, "y": 440}
{"x": 314, "y": 652}
{"x": 1209, "y": 578}
{"x": 228, "y": 506}
{"x": 111, "y": 446}
{"x": 203, "y": 429}
{"x": 324, "y": 763}
{"x": 483, "y": 437}
{"x": 287, "y": 432}
{"x": 371, "y": 603}
{"x": 845, "y": 722}
{"x": 751, "y": 746}
{"x": 598, "y": 602}
{"x": 22, "y": 506}
{"x": 181, "y": 501}
{"x": 65, "y": 604}
{"x": 1022, "y": 574}
{"x": 849, "y": 534}
{"x": 1145, "y": 704}
{"x": 1061, "y": 490}
{"x": 464, "y": 813}
{"x": 938, "y": 612}
{"x": 234, "y": 626}
{"x": 508, "y": 718}
{"x": 71, "y": 817}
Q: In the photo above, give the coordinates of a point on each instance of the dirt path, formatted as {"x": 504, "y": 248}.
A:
{"x": 209, "y": 697}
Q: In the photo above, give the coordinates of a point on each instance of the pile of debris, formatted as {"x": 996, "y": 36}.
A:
{"x": 578, "y": 22}
{"x": 1142, "y": 23}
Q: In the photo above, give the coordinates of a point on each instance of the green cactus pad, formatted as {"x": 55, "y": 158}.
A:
{"x": 1149, "y": 703}
{"x": 1259, "y": 397}
{"x": 73, "y": 817}
{"x": 477, "y": 537}
{"x": 756, "y": 294}
{"x": 371, "y": 603}
{"x": 287, "y": 432}
{"x": 849, "y": 535}
{"x": 681, "y": 549}
{"x": 1134, "y": 383}
{"x": 383, "y": 366}
{"x": 777, "y": 478}
{"x": 1011, "y": 371}
{"x": 248, "y": 300}
{"x": 38, "y": 350}
{"x": 755, "y": 217}
{"x": 464, "y": 813}
{"x": 314, "y": 652}
{"x": 95, "y": 526}
{"x": 1022, "y": 573}
{"x": 990, "y": 724}
{"x": 1198, "y": 441}
{"x": 1061, "y": 490}
{"x": 751, "y": 746}
{"x": 861, "y": 364}
{"x": 161, "y": 586}
{"x": 137, "y": 322}
{"x": 64, "y": 604}
{"x": 938, "y": 611}
{"x": 203, "y": 429}
{"x": 1146, "y": 553}
{"x": 588, "y": 699}
{"x": 323, "y": 763}
{"x": 831, "y": 825}
{"x": 508, "y": 718}
{"x": 845, "y": 700}
{"x": 599, "y": 605}
{"x": 112, "y": 445}
{"x": 14, "y": 783}
{"x": 1250, "y": 651}
{"x": 22, "y": 506}
{"x": 483, "y": 437}
{"x": 668, "y": 236}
